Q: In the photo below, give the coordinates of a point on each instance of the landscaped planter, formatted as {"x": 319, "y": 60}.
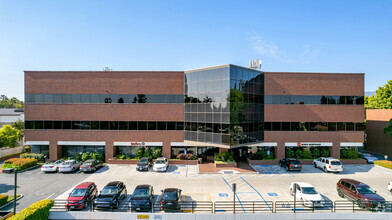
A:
{"x": 353, "y": 161}
{"x": 225, "y": 165}
{"x": 262, "y": 162}
{"x": 183, "y": 162}
{"x": 134, "y": 162}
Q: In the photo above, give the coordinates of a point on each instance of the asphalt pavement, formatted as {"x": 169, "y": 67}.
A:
{"x": 36, "y": 185}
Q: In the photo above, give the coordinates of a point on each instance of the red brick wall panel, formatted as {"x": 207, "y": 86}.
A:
{"x": 377, "y": 140}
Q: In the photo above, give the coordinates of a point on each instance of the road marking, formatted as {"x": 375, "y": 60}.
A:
{"x": 50, "y": 196}
{"x": 257, "y": 193}
{"x": 186, "y": 171}
{"x": 234, "y": 193}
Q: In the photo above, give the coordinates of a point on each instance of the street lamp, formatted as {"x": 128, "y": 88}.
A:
{"x": 10, "y": 170}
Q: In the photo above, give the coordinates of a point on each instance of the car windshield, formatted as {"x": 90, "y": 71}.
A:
{"x": 295, "y": 162}
{"x": 365, "y": 190}
{"x": 67, "y": 163}
{"x": 50, "y": 162}
{"x": 144, "y": 160}
{"x": 170, "y": 196}
{"x": 140, "y": 193}
{"x": 308, "y": 190}
{"x": 78, "y": 192}
{"x": 160, "y": 162}
{"x": 335, "y": 163}
{"x": 109, "y": 191}
{"x": 87, "y": 163}
{"x": 367, "y": 155}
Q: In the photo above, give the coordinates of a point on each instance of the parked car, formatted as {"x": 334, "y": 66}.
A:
{"x": 52, "y": 166}
{"x": 161, "y": 164}
{"x": 362, "y": 194}
{"x": 369, "y": 158}
{"x": 144, "y": 164}
{"x": 69, "y": 166}
{"x": 111, "y": 195}
{"x": 91, "y": 165}
{"x": 170, "y": 199}
{"x": 142, "y": 198}
{"x": 81, "y": 196}
{"x": 390, "y": 186}
{"x": 328, "y": 164}
{"x": 306, "y": 193}
{"x": 290, "y": 164}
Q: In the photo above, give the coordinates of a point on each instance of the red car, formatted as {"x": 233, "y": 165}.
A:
{"x": 81, "y": 196}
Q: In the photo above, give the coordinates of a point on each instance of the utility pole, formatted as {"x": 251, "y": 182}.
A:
{"x": 234, "y": 187}
{"x": 16, "y": 173}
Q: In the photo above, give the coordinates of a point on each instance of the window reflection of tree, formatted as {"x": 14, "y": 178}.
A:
{"x": 120, "y": 100}
{"x": 108, "y": 100}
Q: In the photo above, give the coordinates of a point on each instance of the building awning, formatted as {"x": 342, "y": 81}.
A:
{"x": 351, "y": 144}
{"x": 308, "y": 144}
{"x": 178, "y": 144}
{"x": 265, "y": 144}
{"x": 86, "y": 143}
{"x": 37, "y": 143}
{"x": 134, "y": 143}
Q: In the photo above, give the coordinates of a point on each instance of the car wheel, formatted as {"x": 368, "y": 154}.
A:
{"x": 315, "y": 166}
{"x": 57, "y": 169}
{"x": 280, "y": 164}
{"x": 95, "y": 169}
{"x": 73, "y": 170}
{"x": 117, "y": 204}
{"x": 325, "y": 170}
{"x": 287, "y": 168}
{"x": 340, "y": 193}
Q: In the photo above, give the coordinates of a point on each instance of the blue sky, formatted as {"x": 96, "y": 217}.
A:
{"x": 310, "y": 36}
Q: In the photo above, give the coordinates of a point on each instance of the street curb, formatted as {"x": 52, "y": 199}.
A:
{"x": 5, "y": 205}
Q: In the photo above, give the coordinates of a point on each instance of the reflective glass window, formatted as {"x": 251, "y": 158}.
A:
{"x": 332, "y": 100}
{"x": 48, "y": 124}
{"x": 314, "y": 100}
{"x": 267, "y": 126}
{"x": 342, "y": 100}
{"x": 161, "y": 125}
{"x": 85, "y": 98}
{"x": 104, "y": 125}
{"x": 350, "y": 100}
{"x": 67, "y": 98}
{"x": 67, "y": 125}
{"x": 29, "y": 125}
{"x": 94, "y": 125}
{"x": 75, "y": 98}
{"x": 217, "y": 74}
{"x": 349, "y": 126}
{"x": 313, "y": 126}
{"x": 142, "y": 125}
{"x": 58, "y": 125}
{"x": 359, "y": 126}
{"x": 123, "y": 125}
{"x": 39, "y": 125}
{"x": 171, "y": 125}
{"x": 39, "y": 98}
{"x": 180, "y": 126}
{"x": 132, "y": 125}
{"x": 359, "y": 100}
{"x": 225, "y": 73}
{"x": 209, "y": 75}
{"x": 331, "y": 126}
{"x": 201, "y": 76}
{"x": 57, "y": 98}
{"x": 341, "y": 126}
{"x": 303, "y": 126}
{"x": 113, "y": 125}
{"x": 48, "y": 98}
{"x": 285, "y": 126}
{"x": 324, "y": 100}
{"x": 323, "y": 126}
{"x": 152, "y": 125}
{"x": 85, "y": 125}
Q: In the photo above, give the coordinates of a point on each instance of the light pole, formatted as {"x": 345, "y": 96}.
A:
{"x": 234, "y": 187}
{"x": 15, "y": 184}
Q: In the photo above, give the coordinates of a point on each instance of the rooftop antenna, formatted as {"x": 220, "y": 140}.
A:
{"x": 255, "y": 64}
{"x": 106, "y": 68}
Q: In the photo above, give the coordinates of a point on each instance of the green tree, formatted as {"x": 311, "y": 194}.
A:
{"x": 8, "y": 136}
{"x": 19, "y": 125}
{"x": 388, "y": 129}
{"x": 382, "y": 99}
{"x": 5, "y": 102}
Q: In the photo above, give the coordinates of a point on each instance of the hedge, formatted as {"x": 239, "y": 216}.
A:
{"x": 36, "y": 211}
{"x": 19, "y": 163}
{"x": 39, "y": 157}
{"x": 384, "y": 163}
{"x": 3, "y": 199}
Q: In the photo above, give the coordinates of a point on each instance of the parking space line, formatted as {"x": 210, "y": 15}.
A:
{"x": 257, "y": 193}
{"x": 186, "y": 175}
{"x": 234, "y": 193}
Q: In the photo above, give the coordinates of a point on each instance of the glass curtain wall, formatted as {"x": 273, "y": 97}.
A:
{"x": 224, "y": 105}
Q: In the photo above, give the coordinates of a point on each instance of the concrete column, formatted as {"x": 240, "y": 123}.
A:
{"x": 55, "y": 152}
{"x": 335, "y": 149}
{"x": 110, "y": 150}
{"x": 280, "y": 150}
{"x": 166, "y": 149}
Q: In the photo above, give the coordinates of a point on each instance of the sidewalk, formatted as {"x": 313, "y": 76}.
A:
{"x": 209, "y": 167}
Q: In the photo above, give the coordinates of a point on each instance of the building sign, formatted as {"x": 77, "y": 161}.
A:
{"x": 308, "y": 144}
{"x": 143, "y": 217}
{"x": 138, "y": 144}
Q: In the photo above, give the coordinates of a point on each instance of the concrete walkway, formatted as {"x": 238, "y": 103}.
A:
{"x": 242, "y": 167}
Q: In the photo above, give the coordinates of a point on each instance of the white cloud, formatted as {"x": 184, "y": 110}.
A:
{"x": 268, "y": 48}
{"x": 309, "y": 53}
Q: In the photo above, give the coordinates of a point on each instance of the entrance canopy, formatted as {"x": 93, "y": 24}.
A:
{"x": 308, "y": 144}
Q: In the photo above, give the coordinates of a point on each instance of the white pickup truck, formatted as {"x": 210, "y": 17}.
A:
{"x": 307, "y": 194}
{"x": 328, "y": 164}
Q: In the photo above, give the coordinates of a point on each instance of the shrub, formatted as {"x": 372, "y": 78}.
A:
{"x": 147, "y": 152}
{"x": 289, "y": 152}
{"x": 256, "y": 156}
{"x": 140, "y": 152}
{"x": 349, "y": 154}
{"x": 324, "y": 152}
{"x": 157, "y": 152}
{"x": 27, "y": 149}
{"x": 3, "y": 199}
{"x": 384, "y": 163}
{"x": 19, "y": 163}
{"x": 39, "y": 157}
{"x": 306, "y": 154}
{"x": 217, "y": 157}
{"x": 96, "y": 156}
{"x": 298, "y": 154}
{"x": 36, "y": 211}
{"x": 316, "y": 153}
{"x": 85, "y": 156}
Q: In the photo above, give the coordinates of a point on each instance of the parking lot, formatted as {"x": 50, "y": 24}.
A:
{"x": 270, "y": 184}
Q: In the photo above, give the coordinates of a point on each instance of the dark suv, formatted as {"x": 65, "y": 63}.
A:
{"x": 142, "y": 198}
{"x": 290, "y": 164}
{"x": 144, "y": 164}
{"x": 362, "y": 194}
{"x": 170, "y": 199}
{"x": 111, "y": 195}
